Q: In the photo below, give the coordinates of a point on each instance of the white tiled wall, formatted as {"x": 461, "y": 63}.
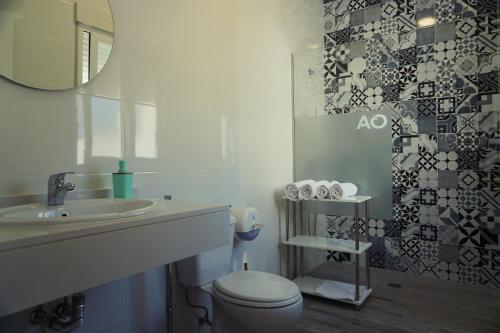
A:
{"x": 217, "y": 76}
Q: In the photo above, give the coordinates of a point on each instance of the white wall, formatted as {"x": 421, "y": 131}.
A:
{"x": 218, "y": 75}
{"x": 6, "y": 43}
{"x": 99, "y": 5}
{"x": 309, "y": 82}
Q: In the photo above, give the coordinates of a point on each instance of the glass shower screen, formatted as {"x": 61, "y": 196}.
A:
{"x": 351, "y": 147}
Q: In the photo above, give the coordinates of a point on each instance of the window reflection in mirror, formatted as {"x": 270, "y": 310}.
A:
{"x": 94, "y": 51}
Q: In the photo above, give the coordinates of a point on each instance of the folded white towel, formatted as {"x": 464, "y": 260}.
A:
{"x": 339, "y": 290}
{"x": 342, "y": 190}
{"x": 292, "y": 190}
{"x": 322, "y": 189}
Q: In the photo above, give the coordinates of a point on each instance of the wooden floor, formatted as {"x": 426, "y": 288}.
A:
{"x": 402, "y": 302}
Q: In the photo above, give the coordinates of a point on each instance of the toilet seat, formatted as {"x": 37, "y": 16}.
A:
{"x": 256, "y": 289}
{"x": 251, "y": 304}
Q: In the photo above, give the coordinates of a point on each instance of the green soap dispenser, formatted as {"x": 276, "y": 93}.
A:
{"x": 122, "y": 182}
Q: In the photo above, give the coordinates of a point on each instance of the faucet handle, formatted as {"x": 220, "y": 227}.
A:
{"x": 58, "y": 178}
{"x": 57, "y": 189}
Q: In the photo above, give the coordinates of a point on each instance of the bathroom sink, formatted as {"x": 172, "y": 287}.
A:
{"x": 76, "y": 211}
{"x": 116, "y": 239}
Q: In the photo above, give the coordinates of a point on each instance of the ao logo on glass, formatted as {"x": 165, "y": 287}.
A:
{"x": 377, "y": 121}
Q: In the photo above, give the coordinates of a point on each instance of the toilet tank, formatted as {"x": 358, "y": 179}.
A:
{"x": 207, "y": 267}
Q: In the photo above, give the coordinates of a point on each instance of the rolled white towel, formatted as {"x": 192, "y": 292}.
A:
{"x": 343, "y": 190}
{"x": 310, "y": 190}
{"x": 332, "y": 190}
{"x": 322, "y": 189}
{"x": 292, "y": 190}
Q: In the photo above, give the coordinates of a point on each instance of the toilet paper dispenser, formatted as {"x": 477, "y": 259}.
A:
{"x": 248, "y": 223}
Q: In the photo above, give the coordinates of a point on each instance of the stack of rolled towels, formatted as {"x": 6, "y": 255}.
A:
{"x": 323, "y": 189}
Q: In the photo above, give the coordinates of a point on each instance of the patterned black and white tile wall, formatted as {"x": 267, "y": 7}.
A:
{"x": 441, "y": 83}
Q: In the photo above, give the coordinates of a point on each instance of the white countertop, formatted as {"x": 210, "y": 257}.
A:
{"x": 12, "y": 238}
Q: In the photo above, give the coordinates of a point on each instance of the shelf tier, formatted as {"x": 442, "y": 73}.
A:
{"x": 354, "y": 199}
{"x": 309, "y": 285}
{"x": 326, "y": 243}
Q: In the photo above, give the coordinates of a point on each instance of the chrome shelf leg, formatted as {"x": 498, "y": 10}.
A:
{"x": 356, "y": 226}
{"x": 367, "y": 254}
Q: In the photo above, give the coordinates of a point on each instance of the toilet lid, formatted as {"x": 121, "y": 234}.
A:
{"x": 256, "y": 287}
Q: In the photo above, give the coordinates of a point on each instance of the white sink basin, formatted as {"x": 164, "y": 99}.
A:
{"x": 76, "y": 211}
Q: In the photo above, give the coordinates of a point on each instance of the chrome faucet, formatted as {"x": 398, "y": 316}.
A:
{"x": 57, "y": 189}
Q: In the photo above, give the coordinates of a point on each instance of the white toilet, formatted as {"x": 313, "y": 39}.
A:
{"x": 243, "y": 301}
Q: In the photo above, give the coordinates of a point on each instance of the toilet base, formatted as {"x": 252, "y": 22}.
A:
{"x": 229, "y": 318}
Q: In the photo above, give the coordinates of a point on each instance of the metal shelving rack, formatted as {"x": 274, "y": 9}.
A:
{"x": 301, "y": 239}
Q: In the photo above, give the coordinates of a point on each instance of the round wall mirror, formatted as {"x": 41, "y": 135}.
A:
{"x": 54, "y": 44}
